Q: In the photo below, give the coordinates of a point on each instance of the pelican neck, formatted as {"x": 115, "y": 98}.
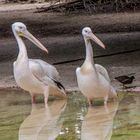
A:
{"x": 89, "y": 51}
{"x": 22, "y": 49}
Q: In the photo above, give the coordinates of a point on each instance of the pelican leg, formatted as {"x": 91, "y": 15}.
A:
{"x": 33, "y": 98}
{"x": 105, "y": 100}
{"x": 46, "y": 95}
{"x": 90, "y": 101}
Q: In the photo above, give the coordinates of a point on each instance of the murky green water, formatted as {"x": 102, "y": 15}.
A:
{"x": 68, "y": 119}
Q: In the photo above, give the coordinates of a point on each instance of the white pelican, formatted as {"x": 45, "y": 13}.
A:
{"x": 33, "y": 75}
{"x": 93, "y": 79}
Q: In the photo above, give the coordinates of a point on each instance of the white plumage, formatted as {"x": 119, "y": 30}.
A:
{"x": 34, "y": 75}
{"x": 93, "y": 79}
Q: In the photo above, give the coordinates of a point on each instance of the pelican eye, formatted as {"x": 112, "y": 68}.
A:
{"x": 20, "y": 27}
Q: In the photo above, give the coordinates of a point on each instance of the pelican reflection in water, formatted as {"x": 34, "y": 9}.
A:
{"x": 98, "y": 123}
{"x": 43, "y": 123}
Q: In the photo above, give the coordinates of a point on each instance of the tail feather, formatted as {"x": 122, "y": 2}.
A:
{"x": 59, "y": 85}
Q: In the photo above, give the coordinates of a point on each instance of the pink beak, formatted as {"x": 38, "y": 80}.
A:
{"x": 97, "y": 40}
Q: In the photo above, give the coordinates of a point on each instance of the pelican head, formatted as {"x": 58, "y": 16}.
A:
{"x": 20, "y": 29}
{"x": 87, "y": 34}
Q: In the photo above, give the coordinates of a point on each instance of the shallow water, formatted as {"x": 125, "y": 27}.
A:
{"x": 69, "y": 119}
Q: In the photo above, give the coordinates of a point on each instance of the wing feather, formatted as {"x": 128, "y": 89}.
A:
{"x": 45, "y": 72}
{"x": 102, "y": 71}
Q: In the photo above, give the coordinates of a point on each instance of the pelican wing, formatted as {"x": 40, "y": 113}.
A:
{"x": 102, "y": 71}
{"x": 45, "y": 72}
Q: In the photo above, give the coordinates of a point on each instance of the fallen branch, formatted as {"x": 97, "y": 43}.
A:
{"x": 59, "y": 7}
{"x": 90, "y": 6}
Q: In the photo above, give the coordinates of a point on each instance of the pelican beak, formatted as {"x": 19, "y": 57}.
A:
{"x": 29, "y": 36}
{"x": 97, "y": 40}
